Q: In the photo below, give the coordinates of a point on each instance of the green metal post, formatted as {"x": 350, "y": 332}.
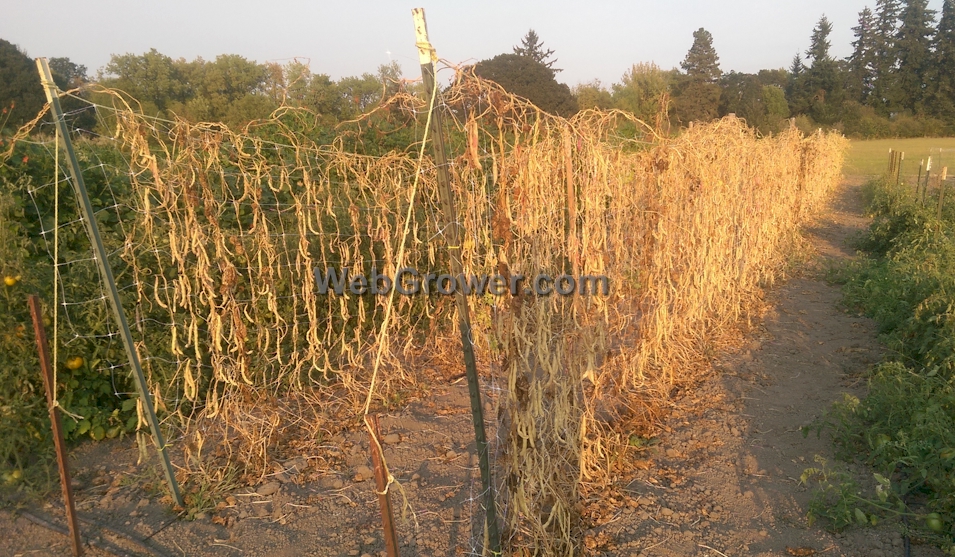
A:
{"x": 83, "y": 197}
{"x": 453, "y": 235}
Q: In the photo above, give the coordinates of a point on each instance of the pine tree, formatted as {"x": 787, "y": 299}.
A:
{"x": 886, "y": 57}
{"x": 913, "y": 42}
{"x": 819, "y": 43}
{"x": 796, "y": 88}
{"x": 533, "y": 48}
{"x": 697, "y": 94}
{"x": 823, "y": 81}
{"x": 943, "y": 86}
{"x": 797, "y": 67}
{"x": 861, "y": 75}
{"x": 701, "y": 62}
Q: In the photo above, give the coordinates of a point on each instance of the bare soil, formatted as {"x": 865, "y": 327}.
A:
{"x": 722, "y": 481}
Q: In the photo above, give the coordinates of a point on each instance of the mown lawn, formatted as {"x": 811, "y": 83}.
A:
{"x": 871, "y": 157}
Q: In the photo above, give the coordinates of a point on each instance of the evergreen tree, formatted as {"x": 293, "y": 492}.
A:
{"x": 701, "y": 62}
{"x": 862, "y": 66}
{"x": 943, "y": 86}
{"x": 886, "y": 57}
{"x": 823, "y": 81}
{"x": 796, "y": 87}
{"x": 913, "y": 43}
{"x": 796, "y": 67}
{"x": 697, "y": 93}
{"x": 819, "y": 42}
{"x": 533, "y": 48}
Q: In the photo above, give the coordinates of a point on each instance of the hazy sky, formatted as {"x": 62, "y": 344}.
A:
{"x": 594, "y": 40}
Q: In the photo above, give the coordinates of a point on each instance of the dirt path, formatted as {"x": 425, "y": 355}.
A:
{"x": 722, "y": 482}
{"x": 738, "y": 462}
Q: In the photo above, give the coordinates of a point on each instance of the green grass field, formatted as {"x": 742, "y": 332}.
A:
{"x": 871, "y": 157}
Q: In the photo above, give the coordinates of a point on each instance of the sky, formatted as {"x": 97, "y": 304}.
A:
{"x": 593, "y": 40}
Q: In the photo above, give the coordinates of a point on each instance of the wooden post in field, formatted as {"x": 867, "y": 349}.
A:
{"x": 46, "y": 371}
{"x": 941, "y": 190}
{"x": 112, "y": 294}
{"x": 928, "y": 174}
{"x": 918, "y": 180}
{"x": 573, "y": 247}
{"x": 453, "y": 234}
{"x": 898, "y": 167}
{"x": 891, "y": 162}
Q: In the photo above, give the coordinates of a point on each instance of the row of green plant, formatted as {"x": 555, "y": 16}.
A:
{"x": 87, "y": 385}
{"x": 904, "y": 428}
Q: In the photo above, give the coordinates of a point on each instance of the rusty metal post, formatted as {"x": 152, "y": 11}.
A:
{"x": 46, "y": 369}
{"x": 381, "y": 482}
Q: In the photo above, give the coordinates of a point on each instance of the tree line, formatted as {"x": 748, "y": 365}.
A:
{"x": 898, "y": 81}
{"x": 230, "y": 89}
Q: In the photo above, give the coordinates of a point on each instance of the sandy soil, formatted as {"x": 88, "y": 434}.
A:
{"x": 723, "y": 481}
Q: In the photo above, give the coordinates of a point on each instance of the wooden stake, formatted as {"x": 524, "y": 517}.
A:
{"x": 572, "y": 242}
{"x": 46, "y": 371}
{"x": 112, "y": 294}
{"x": 453, "y": 235}
{"x": 898, "y": 168}
{"x": 384, "y": 496}
{"x": 918, "y": 179}
{"x": 941, "y": 190}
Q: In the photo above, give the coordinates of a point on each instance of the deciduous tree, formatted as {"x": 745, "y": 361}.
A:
{"x": 21, "y": 95}
{"x": 593, "y": 95}
{"x": 528, "y": 78}
{"x": 641, "y": 90}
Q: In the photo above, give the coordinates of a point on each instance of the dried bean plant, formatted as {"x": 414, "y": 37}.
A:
{"x": 248, "y": 361}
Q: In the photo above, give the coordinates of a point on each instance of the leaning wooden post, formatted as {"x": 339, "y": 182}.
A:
{"x": 112, "y": 294}
{"x": 891, "y": 162}
{"x": 453, "y": 233}
{"x": 46, "y": 371}
{"x": 928, "y": 174}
